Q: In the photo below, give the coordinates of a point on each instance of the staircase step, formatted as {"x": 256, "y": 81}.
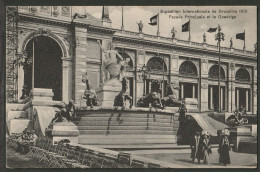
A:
{"x": 138, "y": 146}
{"x": 111, "y": 132}
{"x": 126, "y": 141}
{"x": 18, "y": 125}
{"x": 16, "y": 114}
{"x": 124, "y": 114}
{"x": 115, "y": 118}
{"x": 127, "y": 123}
{"x": 125, "y": 128}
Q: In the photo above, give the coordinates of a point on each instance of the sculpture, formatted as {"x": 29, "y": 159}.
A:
{"x": 121, "y": 98}
{"x": 89, "y": 94}
{"x": 140, "y": 26}
{"x": 173, "y": 31}
{"x": 171, "y": 100}
{"x": 236, "y": 119}
{"x": 153, "y": 98}
{"x": 231, "y": 43}
{"x": 112, "y": 66}
{"x": 204, "y": 38}
{"x": 65, "y": 113}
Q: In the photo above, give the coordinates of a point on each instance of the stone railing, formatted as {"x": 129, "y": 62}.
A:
{"x": 184, "y": 42}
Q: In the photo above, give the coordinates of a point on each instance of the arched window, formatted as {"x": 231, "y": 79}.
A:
{"x": 213, "y": 72}
{"x": 127, "y": 57}
{"x": 242, "y": 75}
{"x": 156, "y": 64}
{"x": 188, "y": 68}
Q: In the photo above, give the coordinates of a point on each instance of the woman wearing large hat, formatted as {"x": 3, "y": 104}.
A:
{"x": 224, "y": 147}
{"x": 204, "y": 147}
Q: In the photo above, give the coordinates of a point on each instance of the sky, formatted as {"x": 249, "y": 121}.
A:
{"x": 239, "y": 18}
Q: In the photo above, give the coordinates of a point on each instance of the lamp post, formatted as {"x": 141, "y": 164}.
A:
{"x": 145, "y": 73}
{"x": 220, "y": 36}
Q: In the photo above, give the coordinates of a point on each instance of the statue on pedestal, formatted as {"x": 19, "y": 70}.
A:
{"x": 231, "y": 43}
{"x": 124, "y": 95}
{"x": 153, "y": 99}
{"x": 65, "y": 113}
{"x": 89, "y": 94}
{"x": 173, "y": 31}
{"x": 204, "y": 38}
{"x": 171, "y": 100}
{"x": 112, "y": 64}
{"x": 140, "y": 26}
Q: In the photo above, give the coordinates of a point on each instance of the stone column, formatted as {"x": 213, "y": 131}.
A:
{"x": 182, "y": 91}
{"x": 247, "y": 100}
{"x": 226, "y": 99}
{"x": 80, "y": 60}
{"x": 237, "y": 98}
{"x": 254, "y": 92}
{"x": 203, "y": 96}
{"x": 211, "y": 97}
{"x": 20, "y": 81}
{"x": 231, "y": 101}
{"x": 66, "y": 79}
{"x": 193, "y": 91}
{"x": 221, "y": 98}
{"x": 140, "y": 61}
{"x": 174, "y": 73}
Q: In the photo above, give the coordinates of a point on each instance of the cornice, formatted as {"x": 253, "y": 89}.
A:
{"x": 42, "y": 19}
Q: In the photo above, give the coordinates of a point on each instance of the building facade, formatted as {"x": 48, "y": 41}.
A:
{"x": 64, "y": 46}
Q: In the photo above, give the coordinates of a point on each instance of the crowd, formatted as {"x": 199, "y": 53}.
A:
{"x": 201, "y": 149}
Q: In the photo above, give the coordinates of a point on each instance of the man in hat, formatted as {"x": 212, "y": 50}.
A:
{"x": 194, "y": 145}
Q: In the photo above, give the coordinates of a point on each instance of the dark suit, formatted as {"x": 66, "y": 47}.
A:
{"x": 194, "y": 145}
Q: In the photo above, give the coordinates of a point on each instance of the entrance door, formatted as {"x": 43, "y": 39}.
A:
{"x": 47, "y": 65}
{"x": 213, "y": 98}
{"x": 243, "y": 99}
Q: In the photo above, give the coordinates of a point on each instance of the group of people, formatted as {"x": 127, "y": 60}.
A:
{"x": 200, "y": 147}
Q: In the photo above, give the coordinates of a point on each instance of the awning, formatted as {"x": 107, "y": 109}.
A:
{"x": 207, "y": 123}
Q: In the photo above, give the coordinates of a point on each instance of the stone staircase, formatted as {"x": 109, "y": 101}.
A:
{"x": 128, "y": 129}
{"x": 16, "y": 119}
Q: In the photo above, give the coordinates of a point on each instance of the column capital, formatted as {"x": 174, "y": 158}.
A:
{"x": 232, "y": 66}
{"x": 140, "y": 52}
{"x": 204, "y": 61}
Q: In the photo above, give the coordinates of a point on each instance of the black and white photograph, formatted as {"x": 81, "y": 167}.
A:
{"x": 131, "y": 87}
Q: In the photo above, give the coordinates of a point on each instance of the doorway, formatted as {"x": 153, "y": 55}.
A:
{"x": 47, "y": 65}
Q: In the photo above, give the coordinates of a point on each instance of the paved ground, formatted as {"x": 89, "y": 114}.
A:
{"x": 178, "y": 157}
{"x": 182, "y": 157}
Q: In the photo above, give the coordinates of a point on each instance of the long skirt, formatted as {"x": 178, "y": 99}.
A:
{"x": 205, "y": 157}
{"x": 224, "y": 157}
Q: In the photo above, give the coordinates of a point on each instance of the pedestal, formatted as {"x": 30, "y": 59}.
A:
{"x": 107, "y": 93}
{"x": 63, "y": 130}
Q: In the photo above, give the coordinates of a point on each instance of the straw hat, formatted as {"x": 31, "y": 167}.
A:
{"x": 204, "y": 132}
{"x": 225, "y": 132}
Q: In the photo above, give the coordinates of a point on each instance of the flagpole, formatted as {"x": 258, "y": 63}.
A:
{"x": 219, "y": 92}
{"x": 189, "y": 30}
{"x": 163, "y": 79}
{"x": 122, "y": 27}
{"x": 158, "y": 31}
{"x": 244, "y": 40}
{"x": 33, "y": 65}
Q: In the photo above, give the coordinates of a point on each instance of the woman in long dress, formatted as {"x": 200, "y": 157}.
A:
{"x": 205, "y": 149}
{"x": 224, "y": 157}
